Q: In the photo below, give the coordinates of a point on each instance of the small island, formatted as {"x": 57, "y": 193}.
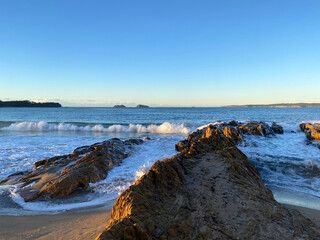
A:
{"x": 142, "y": 106}
{"x": 119, "y": 106}
{"x": 27, "y": 103}
{"x": 279, "y": 105}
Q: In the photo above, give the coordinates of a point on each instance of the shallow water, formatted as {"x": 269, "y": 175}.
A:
{"x": 287, "y": 165}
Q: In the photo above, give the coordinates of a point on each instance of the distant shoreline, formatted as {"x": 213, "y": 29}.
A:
{"x": 278, "y": 105}
{"x": 27, "y": 103}
{"x": 31, "y": 104}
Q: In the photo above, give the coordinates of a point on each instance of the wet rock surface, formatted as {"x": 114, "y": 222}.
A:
{"x": 209, "y": 190}
{"x": 312, "y": 131}
{"x": 276, "y": 128}
{"x": 62, "y": 175}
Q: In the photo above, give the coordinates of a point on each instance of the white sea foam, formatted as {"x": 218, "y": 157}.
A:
{"x": 164, "y": 128}
{"x": 206, "y": 125}
{"x": 51, "y": 207}
{"x": 290, "y": 128}
{"x": 286, "y": 161}
{"x": 133, "y": 167}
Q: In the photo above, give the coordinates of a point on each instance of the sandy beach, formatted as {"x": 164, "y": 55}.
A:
{"x": 312, "y": 214}
{"x": 73, "y": 225}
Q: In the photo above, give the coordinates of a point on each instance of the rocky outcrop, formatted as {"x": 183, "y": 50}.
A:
{"x": 252, "y": 128}
{"x": 312, "y": 131}
{"x": 255, "y": 128}
{"x": 62, "y": 175}
{"x": 235, "y": 131}
{"x": 208, "y": 191}
{"x": 119, "y": 106}
{"x": 142, "y": 106}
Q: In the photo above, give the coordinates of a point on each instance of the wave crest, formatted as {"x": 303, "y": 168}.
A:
{"x": 164, "y": 128}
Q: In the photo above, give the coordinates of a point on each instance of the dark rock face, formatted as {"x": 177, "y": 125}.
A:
{"x": 60, "y": 176}
{"x": 208, "y": 191}
{"x": 312, "y": 131}
{"x": 277, "y": 128}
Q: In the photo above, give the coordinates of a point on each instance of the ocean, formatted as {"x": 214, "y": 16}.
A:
{"x": 288, "y": 166}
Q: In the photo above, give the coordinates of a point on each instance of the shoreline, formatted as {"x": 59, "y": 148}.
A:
{"x": 312, "y": 214}
{"x": 87, "y": 224}
{"x": 68, "y": 225}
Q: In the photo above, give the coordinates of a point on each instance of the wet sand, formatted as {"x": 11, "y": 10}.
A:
{"x": 312, "y": 214}
{"x": 70, "y": 225}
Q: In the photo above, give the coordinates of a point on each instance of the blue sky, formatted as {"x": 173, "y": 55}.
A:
{"x": 160, "y": 53}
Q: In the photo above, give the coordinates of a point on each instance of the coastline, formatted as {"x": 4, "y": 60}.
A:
{"x": 91, "y": 221}
{"x": 78, "y": 225}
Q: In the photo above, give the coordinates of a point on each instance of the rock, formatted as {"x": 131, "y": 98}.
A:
{"x": 255, "y": 128}
{"x": 62, "y": 175}
{"x": 119, "y": 106}
{"x": 133, "y": 142}
{"x": 312, "y": 131}
{"x": 234, "y": 135}
{"x": 208, "y": 191}
{"x": 235, "y": 131}
{"x": 142, "y": 106}
{"x": 233, "y": 123}
{"x": 277, "y": 128}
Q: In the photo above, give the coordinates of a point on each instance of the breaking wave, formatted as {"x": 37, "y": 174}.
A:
{"x": 164, "y": 128}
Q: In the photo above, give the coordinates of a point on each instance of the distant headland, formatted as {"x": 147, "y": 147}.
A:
{"x": 123, "y": 106}
{"x": 27, "y": 103}
{"x": 279, "y": 105}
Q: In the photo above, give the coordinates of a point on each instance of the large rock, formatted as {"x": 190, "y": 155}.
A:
{"x": 235, "y": 131}
{"x": 252, "y": 128}
{"x": 255, "y": 128}
{"x": 62, "y": 175}
{"x": 208, "y": 191}
{"x": 312, "y": 131}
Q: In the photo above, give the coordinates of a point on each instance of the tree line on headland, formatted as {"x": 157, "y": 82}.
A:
{"x": 27, "y": 103}
{"x": 279, "y": 105}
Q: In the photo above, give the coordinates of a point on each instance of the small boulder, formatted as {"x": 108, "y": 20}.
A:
{"x": 276, "y": 128}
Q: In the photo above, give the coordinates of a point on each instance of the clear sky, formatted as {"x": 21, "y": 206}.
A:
{"x": 160, "y": 53}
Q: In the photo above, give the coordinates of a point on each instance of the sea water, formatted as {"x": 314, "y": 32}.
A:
{"x": 288, "y": 166}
